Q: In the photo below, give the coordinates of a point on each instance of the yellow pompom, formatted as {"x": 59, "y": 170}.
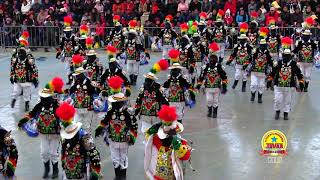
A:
{"x": 182, "y": 151}
{"x": 156, "y": 67}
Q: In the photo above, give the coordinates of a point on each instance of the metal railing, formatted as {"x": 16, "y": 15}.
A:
{"x": 49, "y": 36}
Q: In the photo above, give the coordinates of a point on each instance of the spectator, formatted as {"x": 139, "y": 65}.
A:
{"x": 77, "y": 9}
{"x": 232, "y": 5}
{"x": 88, "y": 6}
{"x": 285, "y": 16}
{"x": 273, "y": 13}
{"x": 308, "y": 12}
{"x": 25, "y": 7}
{"x": 49, "y": 33}
{"x": 99, "y": 6}
{"x": 145, "y": 7}
{"x": 35, "y": 7}
{"x": 183, "y": 7}
{"x": 127, "y": 9}
{"x": 206, "y": 6}
{"x": 262, "y": 4}
{"x": 242, "y": 17}
{"x": 218, "y": 4}
{"x": 195, "y": 5}
{"x": 252, "y": 6}
{"x": 242, "y": 4}
{"x": 261, "y": 19}
{"x": 228, "y": 19}
{"x": 116, "y": 7}
{"x": 107, "y": 5}
{"x": 172, "y": 7}
{"x": 46, "y": 4}
{"x": 296, "y": 17}
{"x": 41, "y": 16}
{"x": 317, "y": 13}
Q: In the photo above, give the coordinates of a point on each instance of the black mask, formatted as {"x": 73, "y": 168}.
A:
{"x": 67, "y": 34}
{"x": 46, "y": 101}
{"x": 83, "y": 43}
{"x": 242, "y": 41}
{"x": 273, "y": 32}
{"x": 131, "y": 36}
{"x": 92, "y": 58}
{"x": 184, "y": 42}
{"x": 148, "y": 83}
{"x": 218, "y": 24}
{"x": 118, "y": 105}
{"x": 80, "y": 78}
{"x": 22, "y": 54}
{"x": 195, "y": 40}
{"x": 263, "y": 47}
{"x": 213, "y": 60}
{"x": 167, "y": 25}
{"x": 175, "y": 72}
{"x": 286, "y": 58}
{"x": 117, "y": 28}
{"x": 201, "y": 27}
{"x": 113, "y": 66}
{"x": 305, "y": 38}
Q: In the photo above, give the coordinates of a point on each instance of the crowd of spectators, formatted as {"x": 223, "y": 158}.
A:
{"x": 151, "y": 13}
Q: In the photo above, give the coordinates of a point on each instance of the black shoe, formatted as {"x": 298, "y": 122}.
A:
{"x": 209, "y": 111}
{"x": 46, "y": 170}
{"x": 117, "y": 173}
{"x": 123, "y": 173}
{"x": 220, "y": 60}
{"x": 180, "y": 121}
{"x": 276, "y": 117}
{"x": 135, "y": 79}
{"x": 215, "y": 112}
{"x": 285, "y": 116}
{"x": 306, "y": 85}
{"x": 55, "y": 171}
{"x": 259, "y": 98}
{"x": 244, "y": 84}
{"x": 131, "y": 79}
{"x": 26, "y": 106}
{"x": 13, "y": 103}
{"x": 253, "y": 95}
{"x": 235, "y": 83}
{"x": 21, "y": 94}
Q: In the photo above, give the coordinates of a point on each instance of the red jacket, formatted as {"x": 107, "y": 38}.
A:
{"x": 127, "y": 7}
{"x": 232, "y": 6}
{"x": 116, "y": 9}
{"x": 275, "y": 16}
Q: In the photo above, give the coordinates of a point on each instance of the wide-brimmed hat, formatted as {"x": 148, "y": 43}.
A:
{"x": 117, "y": 97}
{"x": 287, "y": 51}
{"x": 70, "y": 131}
{"x": 78, "y": 71}
{"x": 91, "y": 52}
{"x": 175, "y": 66}
{"x": 45, "y": 93}
{"x": 263, "y": 41}
{"x": 242, "y": 36}
{"x": 150, "y": 75}
{"x": 306, "y": 32}
{"x": 69, "y": 128}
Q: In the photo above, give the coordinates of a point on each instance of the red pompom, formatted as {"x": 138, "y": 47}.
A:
{"x": 116, "y": 17}
{"x": 184, "y": 26}
{"x": 57, "y": 84}
{"x": 164, "y": 64}
{"x": 115, "y": 82}
{"x": 214, "y": 47}
{"x": 309, "y": 20}
{"x": 67, "y": 19}
{"x": 264, "y": 29}
{"x": 186, "y": 156}
{"x": 203, "y": 15}
{"x": 65, "y": 112}
{"x": 84, "y": 27}
{"x": 167, "y": 114}
{"x": 173, "y": 53}
{"x": 25, "y": 34}
{"x": 220, "y": 12}
{"x": 286, "y": 40}
{"x": 132, "y": 23}
{"x": 244, "y": 25}
{"x": 112, "y": 49}
{"x": 89, "y": 40}
{"x": 254, "y": 14}
{"x": 77, "y": 59}
{"x": 169, "y": 17}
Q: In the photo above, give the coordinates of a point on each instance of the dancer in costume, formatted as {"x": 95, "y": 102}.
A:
{"x": 253, "y": 31}
{"x": 273, "y": 39}
{"x": 67, "y": 43}
{"x": 219, "y": 34}
{"x": 168, "y": 37}
{"x": 48, "y": 125}
{"x": 214, "y": 79}
{"x": 166, "y": 150}
{"x": 78, "y": 154}
{"x": 23, "y": 73}
{"x": 284, "y": 75}
{"x": 242, "y": 54}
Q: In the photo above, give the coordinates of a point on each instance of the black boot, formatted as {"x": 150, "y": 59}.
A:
{"x": 46, "y": 170}
{"x": 276, "y": 117}
{"x": 55, "y": 170}
{"x": 21, "y": 94}
{"x": 253, "y": 95}
{"x": 220, "y": 60}
{"x": 180, "y": 121}
{"x": 215, "y": 112}
{"x": 123, "y": 174}
{"x": 259, "y": 98}
{"x": 209, "y": 111}
{"x": 285, "y": 116}
{"x": 306, "y": 85}
{"x": 26, "y": 106}
{"x": 135, "y": 79}
{"x": 13, "y": 103}
{"x": 244, "y": 84}
{"x": 131, "y": 79}
{"x": 235, "y": 83}
{"x": 117, "y": 173}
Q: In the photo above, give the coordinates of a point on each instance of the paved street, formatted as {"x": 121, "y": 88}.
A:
{"x": 226, "y": 148}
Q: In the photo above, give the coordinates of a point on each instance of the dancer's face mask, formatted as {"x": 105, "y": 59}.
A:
{"x": 263, "y": 47}
{"x": 175, "y": 72}
{"x": 201, "y": 27}
{"x": 22, "y": 54}
{"x": 148, "y": 83}
{"x": 67, "y": 34}
{"x": 91, "y": 58}
{"x": 286, "y": 58}
{"x": 113, "y": 66}
{"x": 305, "y": 37}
